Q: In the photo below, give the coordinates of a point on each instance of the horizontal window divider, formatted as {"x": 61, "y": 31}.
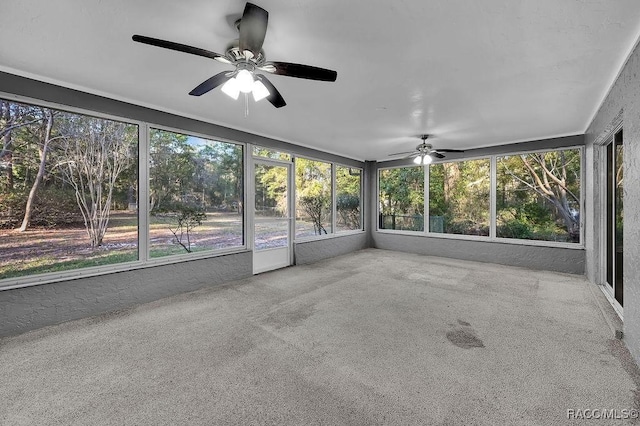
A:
{"x": 540, "y": 243}
{"x": 76, "y": 274}
{"x": 458, "y": 236}
{"x": 270, "y": 249}
{"x": 326, "y": 237}
{"x": 350, "y": 232}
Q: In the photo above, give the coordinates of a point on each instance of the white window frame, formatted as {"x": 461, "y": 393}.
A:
{"x": 377, "y": 198}
{"x": 493, "y": 199}
{"x": 143, "y": 192}
{"x": 427, "y": 196}
{"x": 183, "y": 257}
{"x": 308, "y": 238}
{"x": 335, "y": 198}
{"x": 579, "y": 245}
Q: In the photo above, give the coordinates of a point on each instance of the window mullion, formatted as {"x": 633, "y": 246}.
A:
{"x": 427, "y": 219}
{"x": 334, "y": 197}
{"x": 493, "y": 197}
{"x": 143, "y": 192}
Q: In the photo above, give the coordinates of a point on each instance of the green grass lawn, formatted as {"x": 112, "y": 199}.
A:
{"x": 55, "y": 250}
{"x": 50, "y": 264}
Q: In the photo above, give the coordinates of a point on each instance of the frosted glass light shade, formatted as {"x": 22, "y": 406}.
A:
{"x": 423, "y": 159}
{"x": 245, "y": 81}
{"x": 231, "y": 88}
{"x": 260, "y": 91}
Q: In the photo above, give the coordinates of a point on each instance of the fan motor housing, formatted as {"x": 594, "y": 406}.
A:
{"x": 234, "y": 54}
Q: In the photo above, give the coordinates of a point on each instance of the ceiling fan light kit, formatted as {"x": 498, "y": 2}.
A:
{"x": 423, "y": 159}
{"x": 247, "y": 56}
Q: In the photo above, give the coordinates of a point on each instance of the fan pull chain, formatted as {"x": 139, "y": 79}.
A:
{"x": 246, "y": 105}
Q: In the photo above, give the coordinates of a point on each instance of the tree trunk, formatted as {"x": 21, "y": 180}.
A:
{"x": 36, "y": 183}
{"x": 7, "y": 142}
{"x": 9, "y": 160}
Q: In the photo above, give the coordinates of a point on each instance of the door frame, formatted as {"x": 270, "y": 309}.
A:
{"x": 253, "y": 161}
{"x": 607, "y": 288}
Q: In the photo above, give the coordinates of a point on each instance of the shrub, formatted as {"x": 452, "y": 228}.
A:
{"x": 515, "y": 229}
{"x": 52, "y": 207}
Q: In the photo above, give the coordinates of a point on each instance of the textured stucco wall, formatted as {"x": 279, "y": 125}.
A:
{"x": 534, "y": 257}
{"x": 624, "y": 97}
{"x": 314, "y": 251}
{"x": 29, "y": 308}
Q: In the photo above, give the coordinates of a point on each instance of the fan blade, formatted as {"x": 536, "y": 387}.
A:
{"x": 448, "y": 150}
{"x": 402, "y": 153}
{"x": 274, "y": 97}
{"x": 176, "y": 46}
{"x": 253, "y": 28}
{"x": 211, "y": 83}
{"x": 436, "y": 154}
{"x": 302, "y": 71}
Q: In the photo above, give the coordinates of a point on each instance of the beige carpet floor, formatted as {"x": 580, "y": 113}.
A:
{"x": 374, "y": 337}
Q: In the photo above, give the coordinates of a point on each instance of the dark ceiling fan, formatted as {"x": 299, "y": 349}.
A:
{"x": 247, "y": 56}
{"x": 424, "y": 153}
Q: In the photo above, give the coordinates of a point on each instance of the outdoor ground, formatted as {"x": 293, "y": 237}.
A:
{"x": 40, "y": 250}
{"x": 56, "y": 249}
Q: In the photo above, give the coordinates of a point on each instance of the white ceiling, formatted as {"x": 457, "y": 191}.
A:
{"x": 472, "y": 73}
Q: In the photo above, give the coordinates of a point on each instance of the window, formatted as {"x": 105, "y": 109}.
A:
{"x": 401, "y": 199}
{"x": 68, "y": 190}
{"x": 195, "y": 194}
{"x": 538, "y": 196}
{"x": 313, "y": 197}
{"x": 348, "y": 201}
{"x": 459, "y": 197}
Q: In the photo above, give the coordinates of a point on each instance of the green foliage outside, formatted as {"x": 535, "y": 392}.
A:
{"x": 313, "y": 196}
{"x": 538, "y": 196}
{"x": 459, "y": 196}
{"x": 62, "y": 172}
{"x": 54, "y": 207}
{"x": 271, "y": 190}
{"x": 402, "y": 198}
{"x": 49, "y": 158}
{"x": 188, "y": 178}
{"x": 348, "y": 188}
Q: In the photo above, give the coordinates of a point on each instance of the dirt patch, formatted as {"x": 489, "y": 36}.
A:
{"x": 39, "y": 246}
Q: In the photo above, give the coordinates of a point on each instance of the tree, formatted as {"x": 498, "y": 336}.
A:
{"x": 272, "y": 188}
{"x": 348, "y": 208}
{"x": 459, "y": 193}
{"x": 313, "y": 192}
{"x": 348, "y": 196}
{"x": 95, "y": 153}
{"x": 187, "y": 218}
{"x": 45, "y": 139}
{"x": 173, "y": 166}
{"x": 546, "y": 186}
{"x": 402, "y": 197}
{"x": 13, "y": 116}
{"x": 223, "y": 172}
{"x": 314, "y": 207}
